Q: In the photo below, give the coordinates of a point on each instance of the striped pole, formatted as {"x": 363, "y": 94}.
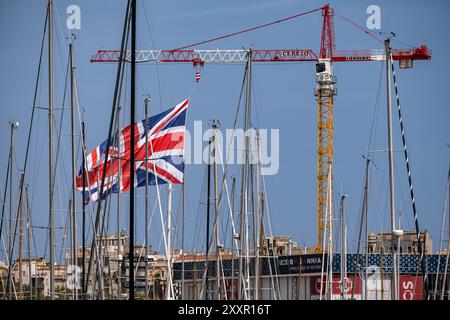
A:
{"x": 411, "y": 190}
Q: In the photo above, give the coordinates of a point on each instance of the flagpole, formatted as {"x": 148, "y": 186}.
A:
{"x": 132, "y": 144}
{"x": 146, "y": 101}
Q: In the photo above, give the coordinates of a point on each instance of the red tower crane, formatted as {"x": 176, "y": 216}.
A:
{"x": 325, "y": 89}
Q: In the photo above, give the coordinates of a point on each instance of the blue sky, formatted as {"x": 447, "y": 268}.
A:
{"x": 282, "y": 98}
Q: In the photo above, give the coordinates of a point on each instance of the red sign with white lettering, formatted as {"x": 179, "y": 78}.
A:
{"x": 411, "y": 288}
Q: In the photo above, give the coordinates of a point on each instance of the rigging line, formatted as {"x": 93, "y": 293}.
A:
{"x": 4, "y": 199}
{"x": 83, "y": 146}
{"x": 126, "y": 27}
{"x": 276, "y": 286}
{"x": 224, "y": 230}
{"x": 363, "y": 29}
{"x": 33, "y": 235}
{"x": 7, "y": 262}
{"x": 55, "y": 182}
{"x": 60, "y": 38}
{"x": 177, "y": 220}
{"x": 413, "y": 201}
{"x": 448, "y": 249}
{"x": 360, "y": 232}
{"x": 403, "y": 43}
{"x": 198, "y": 212}
{"x": 236, "y": 115}
{"x": 108, "y": 199}
{"x": 249, "y": 29}
{"x": 35, "y": 96}
{"x": 169, "y": 267}
{"x": 447, "y": 190}
{"x": 373, "y": 126}
{"x": 104, "y": 231}
{"x": 58, "y": 184}
{"x": 157, "y": 64}
{"x": 402, "y": 199}
{"x": 11, "y": 254}
{"x": 233, "y": 227}
{"x": 63, "y": 242}
{"x": 266, "y": 202}
{"x": 106, "y": 234}
{"x": 151, "y": 217}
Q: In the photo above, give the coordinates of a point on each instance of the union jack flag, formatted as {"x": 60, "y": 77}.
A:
{"x": 165, "y": 136}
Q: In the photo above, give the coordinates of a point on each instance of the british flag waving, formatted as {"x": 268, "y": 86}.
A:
{"x": 165, "y": 150}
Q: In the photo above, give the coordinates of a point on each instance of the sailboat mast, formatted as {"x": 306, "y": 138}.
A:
{"x": 132, "y": 144}
{"x": 21, "y": 238}
{"x": 261, "y": 249}
{"x": 394, "y": 283}
{"x": 343, "y": 253}
{"x": 73, "y": 207}
{"x": 233, "y": 192}
{"x": 243, "y": 229}
{"x": 14, "y": 125}
{"x": 28, "y": 226}
{"x": 330, "y": 238}
{"x": 146, "y": 103}
{"x": 119, "y": 187}
{"x": 255, "y": 223}
{"x": 183, "y": 213}
{"x": 366, "y": 217}
{"x": 83, "y": 222}
{"x": 208, "y": 199}
{"x": 169, "y": 289}
{"x": 216, "y": 209}
{"x": 50, "y": 153}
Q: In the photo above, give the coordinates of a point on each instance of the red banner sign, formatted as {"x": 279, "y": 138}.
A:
{"x": 411, "y": 288}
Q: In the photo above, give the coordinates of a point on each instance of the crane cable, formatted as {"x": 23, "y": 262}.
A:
{"x": 248, "y": 30}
